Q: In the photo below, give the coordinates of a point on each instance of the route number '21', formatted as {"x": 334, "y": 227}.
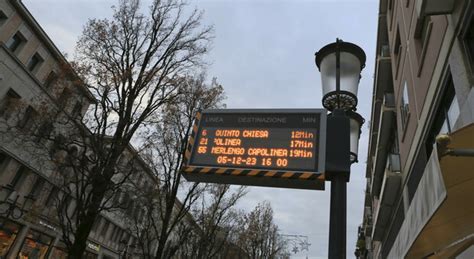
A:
{"x": 203, "y": 141}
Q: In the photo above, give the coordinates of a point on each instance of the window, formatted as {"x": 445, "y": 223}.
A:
{"x": 28, "y": 118}
{"x": 3, "y": 158}
{"x": 89, "y": 255}
{"x": 114, "y": 232}
{"x": 391, "y": 10}
{"x": 15, "y": 42}
{"x": 35, "y": 245}
{"x": 76, "y": 111}
{"x": 425, "y": 30}
{"x": 8, "y": 103}
{"x": 62, "y": 100}
{"x": 105, "y": 228}
{"x": 451, "y": 113}
{"x": 448, "y": 111}
{"x": 397, "y": 49}
{"x": 65, "y": 202}
{"x": 37, "y": 187}
{"x": 390, "y": 4}
{"x": 59, "y": 251}
{"x": 3, "y": 17}
{"x": 385, "y": 51}
{"x": 398, "y": 44}
{"x": 124, "y": 237}
{"x": 393, "y": 157}
{"x": 19, "y": 177}
{"x": 469, "y": 40}
{"x": 53, "y": 194}
{"x": 44, "y": 131}
{"x": 130, "y": 208}
{"x": 96, "y": 224}
{"x": 117, "y": 235}
{"x": 50, "y": 80}
{"x": 3, "y": 162}
{"x": 35, "y": 62}
{"x": 12, "y": 94}
{"x": 8, "y": 233}
{"x": 422, "y": 35}
{"x": 404, "y": 106}
{"x": 446, "y": 115}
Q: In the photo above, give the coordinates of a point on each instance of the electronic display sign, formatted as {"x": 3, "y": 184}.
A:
{"x": 280, "y": 148}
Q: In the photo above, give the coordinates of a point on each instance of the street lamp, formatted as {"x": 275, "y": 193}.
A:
{"x": 340, "y": 64}
{"x": 356, "y": 121}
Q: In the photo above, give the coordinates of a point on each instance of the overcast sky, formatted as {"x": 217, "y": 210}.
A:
{"x": 263, "y": 55}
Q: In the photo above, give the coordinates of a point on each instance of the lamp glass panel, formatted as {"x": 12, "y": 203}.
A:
{"x": 349, "y": 73}
{"x": 355, "y": 129}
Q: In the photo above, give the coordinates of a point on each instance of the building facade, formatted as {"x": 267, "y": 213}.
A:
{"x": 30, "y": 65}
{"x": 418, "y": 200}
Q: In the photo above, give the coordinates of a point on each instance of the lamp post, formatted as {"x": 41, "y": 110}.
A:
{"x": 340, "y": 64}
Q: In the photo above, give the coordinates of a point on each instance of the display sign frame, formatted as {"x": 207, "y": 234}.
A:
{"x": 309, "y": 177}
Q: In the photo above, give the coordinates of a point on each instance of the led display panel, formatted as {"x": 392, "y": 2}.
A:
{"x": 280, "y": 148}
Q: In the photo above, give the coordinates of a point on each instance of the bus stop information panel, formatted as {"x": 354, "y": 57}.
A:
{"x": 279, "y": 148}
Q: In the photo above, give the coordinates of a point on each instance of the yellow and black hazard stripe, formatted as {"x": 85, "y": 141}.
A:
{"x": 189, "y": 148}
{"x": 197, "y": 170}
{"x": 254, "y": 173}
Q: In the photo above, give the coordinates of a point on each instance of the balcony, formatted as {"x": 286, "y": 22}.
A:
{"x": 440, "y": 217}
{"x": 388, "y": 197}
{"x": 433, "y": 7}
{"x": 382, "y": 84}
{"x": 386, "y": 123}
{"x": 368, "y": 224}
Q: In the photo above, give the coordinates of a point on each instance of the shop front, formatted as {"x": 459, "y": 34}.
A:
{"x": 8, "y": 233}
{"x": 35, "y": 245}
{"x": 59, "y": 251}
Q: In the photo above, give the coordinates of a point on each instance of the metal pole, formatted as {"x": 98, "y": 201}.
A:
{"x": 337, "y": 221}
{"x": 337, "y": 171}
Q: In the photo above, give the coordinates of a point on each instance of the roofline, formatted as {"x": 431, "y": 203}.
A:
{"x": 36, "y": 27}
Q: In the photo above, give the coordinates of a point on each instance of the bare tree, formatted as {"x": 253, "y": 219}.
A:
{"x": 133, "y": 65}
{"x": 258, "y": 235}
{"x": 168, "y": 221}
{"x": 217, "y": 219}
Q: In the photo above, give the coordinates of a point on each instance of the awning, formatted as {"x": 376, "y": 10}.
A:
{"x": 452, "y": 224}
